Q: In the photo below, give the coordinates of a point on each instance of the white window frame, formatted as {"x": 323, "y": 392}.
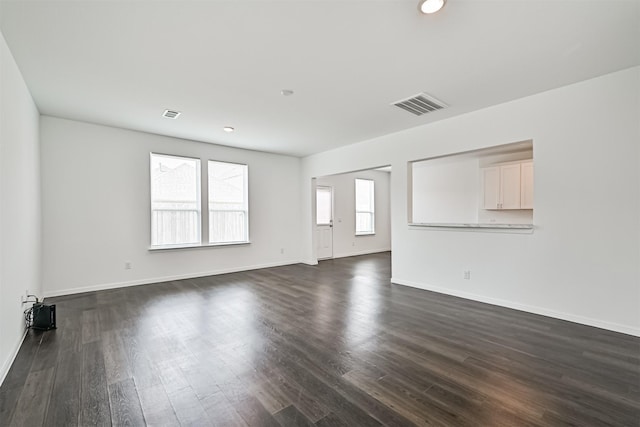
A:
{"x": 245, "y": 202}
{"x": 203, "y": 204}
{"x": 372, "y": 212}
{"x": 198, "y": 202}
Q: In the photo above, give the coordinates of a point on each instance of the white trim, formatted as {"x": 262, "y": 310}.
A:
{"x": 365, "y": 252}
{"x": 195, "y": 246}
{"x": 460, "y": 225}
{"x": 616, "y": 327}
{"x": 475, "y": 228}
{"x": 104, "y": 286}
{"x": 9, "y": 362}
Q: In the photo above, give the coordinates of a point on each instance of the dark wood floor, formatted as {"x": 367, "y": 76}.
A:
{"x": 332, "y": 345}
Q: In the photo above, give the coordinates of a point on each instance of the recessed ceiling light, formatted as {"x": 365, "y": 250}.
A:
{"x": 228, "y": 129}
{"x": 431, "y": 6}
{"x": 286, "y": 92}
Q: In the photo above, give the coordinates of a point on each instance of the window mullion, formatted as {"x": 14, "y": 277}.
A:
{"x": 204, "y": 203}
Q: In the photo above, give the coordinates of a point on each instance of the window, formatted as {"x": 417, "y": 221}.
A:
{"x": 228, "y": 203}
{"x": 175, "y": 200}
{"x": 365, "y": 207}
{"x": 323, "y": 205}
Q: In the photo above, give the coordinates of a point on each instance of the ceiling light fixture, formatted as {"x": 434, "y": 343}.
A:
{"x": 286, "y": 92}
{"x": 430, "y": 6}
{"x": 228, "y": 129}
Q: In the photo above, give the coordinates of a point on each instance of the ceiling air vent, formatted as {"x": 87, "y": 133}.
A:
{"x": 170, "y": 114}
{"x": 420, "y": 104}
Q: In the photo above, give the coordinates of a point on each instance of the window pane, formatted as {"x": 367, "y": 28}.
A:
{"x": 323, "y": 205}
{"x": 228, "y": 205}
{"x": 364, "y": 222}
{"x": 364, "y": 195}
{"x": 365, "y": 206}
{"x": 175, "y": 200}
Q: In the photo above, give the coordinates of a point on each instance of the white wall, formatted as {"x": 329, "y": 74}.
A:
{"x": 345, "y": 242}
{"x": 445, "y": 190}
{"x": 581, "y": 261}
{"x": 96, "y": 209}
{"x": 20, "y": 241}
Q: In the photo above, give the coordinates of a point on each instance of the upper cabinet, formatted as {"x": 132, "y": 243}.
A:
{"x": 508, "y": 186}
{"x": 492, "y": 190}
{"x": 526, "y": 185}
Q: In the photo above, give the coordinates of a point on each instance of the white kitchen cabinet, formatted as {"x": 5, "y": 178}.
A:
{"x": 526, "y": 185}
{"x": 491, "y": 187}
{"x": 506, "y": 187}
{"x": 510, "y": 186}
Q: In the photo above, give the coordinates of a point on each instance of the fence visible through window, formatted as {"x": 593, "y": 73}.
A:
{"x": 230, "y": 226}
{"x": 175, "y": 200}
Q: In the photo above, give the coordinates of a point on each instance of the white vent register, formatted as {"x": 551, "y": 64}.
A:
{"x": 171, "y": 114}
{"x": 420, "y": 104}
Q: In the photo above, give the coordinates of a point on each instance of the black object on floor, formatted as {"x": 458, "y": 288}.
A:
{"x": 43, "y": 317}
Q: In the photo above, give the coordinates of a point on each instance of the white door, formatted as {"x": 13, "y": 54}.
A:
{"x": 324, "y": 222}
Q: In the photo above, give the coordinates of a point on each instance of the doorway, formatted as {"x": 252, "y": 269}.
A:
{"x": 324, "y": 222}
{"x": 338, "y": 207}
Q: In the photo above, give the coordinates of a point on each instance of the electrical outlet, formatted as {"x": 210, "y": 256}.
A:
{"x": 467, "y": 274}
{"x": 127, "y": 265}
{"x": 281, "y": 250}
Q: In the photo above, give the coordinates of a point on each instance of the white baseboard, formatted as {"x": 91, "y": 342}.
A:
{"x": 104, "y": 286}
{"x": 611, "y": 326}
{"x": 365, "y": 252}
{"x": 6, "y": 366}
{"x": 347, "y": 254}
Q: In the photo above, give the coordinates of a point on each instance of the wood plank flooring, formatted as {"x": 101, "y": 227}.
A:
{"x": 327, "y": 345}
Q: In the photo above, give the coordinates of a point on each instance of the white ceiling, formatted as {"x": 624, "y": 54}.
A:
{"x": 224, "y": 63}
